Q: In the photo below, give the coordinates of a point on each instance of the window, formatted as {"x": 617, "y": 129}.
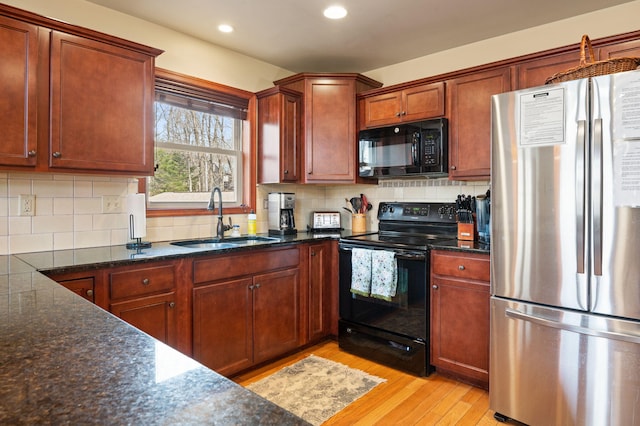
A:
{"x": 202, "y": 141}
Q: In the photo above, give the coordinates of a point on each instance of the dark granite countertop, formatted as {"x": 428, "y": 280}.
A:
{"x": 63, "y": 360}
{"x": 462, "y": 246}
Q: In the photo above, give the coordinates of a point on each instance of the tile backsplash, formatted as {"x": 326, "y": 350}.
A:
{"x": 69, "y": 211}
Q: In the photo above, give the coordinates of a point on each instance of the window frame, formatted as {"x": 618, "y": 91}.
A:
{"x": 192, "y": 86}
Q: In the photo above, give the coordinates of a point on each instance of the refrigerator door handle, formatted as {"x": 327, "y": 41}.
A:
{"x": 597, "y": 197}
{"x": 580, "y": 195}
{"x": 512, "y": 313}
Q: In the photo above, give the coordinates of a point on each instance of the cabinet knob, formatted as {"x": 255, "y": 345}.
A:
{"x": 32, "y": 153}
{"x": 250, "y": 287}
{"x": 258, "y": 285}
{"x": 435, "y": 287}
{"x": 313, "y": 253}
{"x": 57, "y": 154}
{"x": 397, "y": 114}
{"x": 461, "y": 267}
{"x": 89, "y": 292}
{"x": 286, "y": 172}
{"x": 145, "y": 281}
{"x": 404, "y": 113}
{"x": 172, "y": 304}
{"x": 453, "y": 167}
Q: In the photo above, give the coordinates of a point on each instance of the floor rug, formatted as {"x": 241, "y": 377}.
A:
{"x": 315, "y": 388}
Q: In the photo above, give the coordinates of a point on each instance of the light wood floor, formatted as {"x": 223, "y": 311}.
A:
{"x": 402, "y": 400}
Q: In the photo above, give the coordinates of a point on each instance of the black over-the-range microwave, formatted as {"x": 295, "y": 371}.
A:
{"x": 418, "y": 148}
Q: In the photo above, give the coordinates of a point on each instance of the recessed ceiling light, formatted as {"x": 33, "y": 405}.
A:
{"x": 225, "y": 28}
{"x": 335, "y": 12}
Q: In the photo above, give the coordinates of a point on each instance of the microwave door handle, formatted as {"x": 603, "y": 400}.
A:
{"x": 414, "y": 150}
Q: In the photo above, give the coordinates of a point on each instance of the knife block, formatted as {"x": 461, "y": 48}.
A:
{"x": 466, "y": 231}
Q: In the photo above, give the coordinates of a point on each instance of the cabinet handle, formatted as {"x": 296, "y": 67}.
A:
{"x": 172, "y": 304}
{"x": 461, "y": 267}
{"x": 57, "y": 154}
{"x": 145, "y": 281}
{"x": 32, "y": 153}
{"x": 89, "y": 292}
{"x": 435, "y": 287}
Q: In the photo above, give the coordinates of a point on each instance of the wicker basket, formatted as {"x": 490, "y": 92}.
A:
{"x": 593, "y": 68}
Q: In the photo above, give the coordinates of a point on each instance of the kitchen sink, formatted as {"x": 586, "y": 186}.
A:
{"x": 211, "y": 244}
{"x": 218, "y": 244}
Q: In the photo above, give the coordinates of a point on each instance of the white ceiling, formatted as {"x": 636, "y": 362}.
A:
{"x": 294, "y": 35}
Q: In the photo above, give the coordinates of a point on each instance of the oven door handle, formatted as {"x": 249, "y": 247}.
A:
{"x": 399, "y": 255}
{"x": 412, "y": 256}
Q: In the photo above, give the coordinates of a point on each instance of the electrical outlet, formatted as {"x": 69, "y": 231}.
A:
{"x": 27, "y": 203}
{"x": 111, "y": 204}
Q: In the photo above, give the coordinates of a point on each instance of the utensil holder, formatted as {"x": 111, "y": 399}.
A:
{"x": 359, "y": 223}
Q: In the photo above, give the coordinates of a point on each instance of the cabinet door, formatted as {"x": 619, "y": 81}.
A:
{"x": 422, "y": 102}
{"x": 276, "y": 314}
{"x": 330, "y": 130}
{"x": 279, "y": 137}
{"x": 155, "y": 315}
{"x": 18, "y": 86}
{"x": 382, "y": 109}
{"x": 469, "y": 114}
{"x": 101, "y": 106}
{"x": 320, "y": 280}
{"x": 460, "y": 328}
{"x": 618, "y": 50}
{"x": 84, "y": 287}
{"x": 535, "y": 73}
{"x": 222, "y": 325}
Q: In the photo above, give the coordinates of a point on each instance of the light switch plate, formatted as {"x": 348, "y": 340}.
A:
{"x": 111, "y": 204}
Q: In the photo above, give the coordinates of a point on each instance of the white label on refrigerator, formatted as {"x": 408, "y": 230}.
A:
{"x": 626, "y": 169}
{"x": 542, "y": 118}
{"x": 626, "y": 106}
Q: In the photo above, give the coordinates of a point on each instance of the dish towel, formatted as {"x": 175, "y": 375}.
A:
{"x": 384, "y": 274}
{"x": 361, "y": 271}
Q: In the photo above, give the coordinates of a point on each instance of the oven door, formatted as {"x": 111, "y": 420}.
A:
{"x": 406, "y": 313}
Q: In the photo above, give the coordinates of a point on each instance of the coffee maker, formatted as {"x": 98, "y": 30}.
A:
{"x": 281, "y": 221}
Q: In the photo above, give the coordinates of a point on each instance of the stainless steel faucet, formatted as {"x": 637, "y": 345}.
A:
{"x": 221, "y": 227}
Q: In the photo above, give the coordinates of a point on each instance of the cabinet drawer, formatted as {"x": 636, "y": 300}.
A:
{"x": 249, "y": 263}
{"x": 141, "y": 281}
{"x": 460, "y": 265}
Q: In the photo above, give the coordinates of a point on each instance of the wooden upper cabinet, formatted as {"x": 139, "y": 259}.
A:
{"x": 623, "y": 49}
{"x": 279, "y": 136}
{"x": 469, "y": 112}
{"x": 329, "y": 124}
{"x": 18, "y": 85}
{"x": 73, "y": 99}
{"x": 535, "y": 72}
{"x": 101, "y": 106}
{"x": 411, "y": 104}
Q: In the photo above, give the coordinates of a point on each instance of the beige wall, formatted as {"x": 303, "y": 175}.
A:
{"x": 69, "y": 210}
{"x": 606, "y": 22}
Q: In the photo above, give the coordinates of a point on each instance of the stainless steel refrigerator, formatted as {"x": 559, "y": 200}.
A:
{"x": 565, "y": 253}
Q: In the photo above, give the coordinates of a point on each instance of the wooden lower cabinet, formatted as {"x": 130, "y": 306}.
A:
{"x": 257, "y": 315}
{"x": 322, "y": 309}
{"x": 223, "y": 325}
{"x": 460, "y": 315}
{"x": 155, "y": 315}
{"x": 152, "y": 297}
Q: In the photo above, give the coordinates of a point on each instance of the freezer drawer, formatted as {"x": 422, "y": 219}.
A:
{"x": 552, "y": 366}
